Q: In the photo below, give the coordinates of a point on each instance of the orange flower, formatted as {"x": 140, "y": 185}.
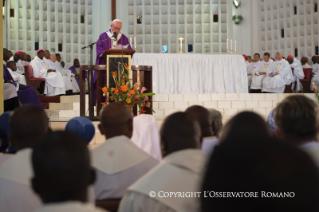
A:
{"x": 114, "y": 74}
{"x": 105, "y": 90}
{"x": 128, "y": 101}
{"x": 117, "y": 91}
{"x": 113, "y": 90}
{"x": 124, "y": 88}
{"x": 132, "y": 92}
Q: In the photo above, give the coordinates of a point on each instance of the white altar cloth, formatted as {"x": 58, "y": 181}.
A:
{"x": 195, "y": 73}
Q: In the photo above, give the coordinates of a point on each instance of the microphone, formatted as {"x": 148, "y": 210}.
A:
{"x": 114, "y": 36}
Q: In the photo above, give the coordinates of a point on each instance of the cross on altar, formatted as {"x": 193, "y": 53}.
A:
{"x": 181, "y": 43}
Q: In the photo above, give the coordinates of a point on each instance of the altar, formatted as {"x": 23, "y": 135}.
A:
{"x": 195, "y": 73}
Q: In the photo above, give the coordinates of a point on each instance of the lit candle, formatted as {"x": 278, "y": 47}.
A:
{"x": 131, "y": 41}
{"x": 235, "y": 45}
{"x": 135, "y": 42}
{"x": 227, "y": 44}
{"x": 231, "y": 45}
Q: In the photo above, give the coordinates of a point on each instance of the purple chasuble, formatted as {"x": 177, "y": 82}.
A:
{"x": 26, "y": 94}
{"x": 100, "y": 48}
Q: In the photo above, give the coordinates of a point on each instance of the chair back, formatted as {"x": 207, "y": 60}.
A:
{"x": 308, "y": 75}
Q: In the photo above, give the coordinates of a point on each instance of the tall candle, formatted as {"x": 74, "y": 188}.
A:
{"x": 134, "y": 42}
{"x": 231, "y": 45}
{"x": 235, "y": 45}
{"x": 227, "y": 44}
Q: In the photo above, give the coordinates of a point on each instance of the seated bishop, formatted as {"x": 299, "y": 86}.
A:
{"x": 54, "y": 84}
{"x": 297, "y": 72}
{"x": 260, "y": 74}
{"x": 252, "y": 68}
{"x": 180, "y": 172}
{"x": 278, "y": 76}
{"x": 118, "y": 161}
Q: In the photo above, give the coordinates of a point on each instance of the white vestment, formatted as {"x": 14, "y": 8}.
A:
{"x": 146, "y": 135}
{"x": 277, "y": 83}
{"x": 17, "y": 77}
{"x": 315, "y": 71}
{"x": 251, "y": 70}
{"x": 298, "y": 74}
{"x": 16, "y": 194}
{"x": 118, "y": 163}
{"x": 312, "y": 149}
{"x": 257, "y": 80}
{"x": 54, "y": 84}
{"x": 306, "y": 66}
{"x": 180, "y": 172}
{"x": 68, "y": 77}
{"x": 71, "y": 206}
{"x": 20, "y": 67}
{"x": 209, "y": 144}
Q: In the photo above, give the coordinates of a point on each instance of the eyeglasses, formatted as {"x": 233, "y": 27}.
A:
{"x": 116, "y": 28}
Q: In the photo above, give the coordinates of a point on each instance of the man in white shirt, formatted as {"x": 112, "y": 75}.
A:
{"x": 19, "y": 78}
{"x": 62, "y": 173}
{"x": 260, "y": 72}
{"x": 54, "y": 84}
{"x": 118, "y": 161}
{"x": 181, "y": 171}
{"x": 304, "y": 62}
{"x": 278, "y": 76}
{"x": 67, "y": 76}
{"x": 28, "y": 125}
{"x": 297, "y": 122}
{"x": 297, "y": 72}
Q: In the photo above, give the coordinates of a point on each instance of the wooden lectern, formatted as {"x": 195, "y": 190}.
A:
{"x": 100, "y": 69}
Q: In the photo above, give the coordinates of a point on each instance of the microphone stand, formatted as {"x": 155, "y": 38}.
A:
{"x": 90, "y": 77}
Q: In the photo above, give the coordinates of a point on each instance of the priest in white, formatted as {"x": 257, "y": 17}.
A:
{"x": 304, "y": 62}
{"x": 252, "y": 68}
{"x": 260, "y": 73}
{"x": 297, "y": 72}
{"x": 146, "y": 136}
{"x": 174, "y": 184}
{"x": 278, "y": 76}
{"x": 12, "y": 68}
{"x": 54, "y": 84}
{"x": 118, "y": 161}
{"x": 66, "y": 75}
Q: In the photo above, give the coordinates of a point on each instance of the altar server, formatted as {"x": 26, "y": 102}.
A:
{"x": 278, "y": 76}
{"x": 18, "y": 57}
{"x": 12, "y": 68}
{"x": 63, "y": 173}
{"x": 54, "y": 84}
{"x": 260, "y": 73}
{"x": 297, "y": 72}
{"x": 180, "y": 171}
{"x": 28, "y": 125}
{"x": 118, "y": 161}
{"x": 75, "y": 69}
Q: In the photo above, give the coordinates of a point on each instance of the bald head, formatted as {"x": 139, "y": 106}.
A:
{"x": 203, "y": 117}
{"x": 61, "y": 169}
{"x": 179, "y": 131}
{"x": 116, "y": 120}
{"x": 28, "y": 124}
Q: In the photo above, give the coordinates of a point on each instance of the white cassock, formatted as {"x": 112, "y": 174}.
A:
{"x": 181, "y": 171}
{"x": 20, "y": 67}
{"x": 315, "y": 71}
{"x": 312, "y": 149}
{"x": 68, "y": 76}
{"x": 71, "y": 206}
{"x": 209, "y": 144}
{"x": 16, "y": 194}
{"x": 17, "y": 77}
{"x": 251, "y": 70}
{"x": 298, "y": 74}
{"x": 118, "y": 163}
{"x": 54, "y": 84}
{"x": 277, "y": 83}
{"x": 146, "y": 135}
{"x": 257, "y": 80}
{"x": 306, "y": 66}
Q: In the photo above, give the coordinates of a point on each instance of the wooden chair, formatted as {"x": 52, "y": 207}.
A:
{"x": 306, "y": 82}
{"x": 31, "y": 80}
{"x": 111, "y": 205}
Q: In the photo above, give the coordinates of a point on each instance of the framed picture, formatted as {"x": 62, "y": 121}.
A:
{"x": 114, "y": 64}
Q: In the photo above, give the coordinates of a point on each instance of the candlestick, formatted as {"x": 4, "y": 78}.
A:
{"x": 235, "y": 45}
{"x": 181, "y": 45}
{"x": 135, "y": 42}
{"x": 231, "y": 45}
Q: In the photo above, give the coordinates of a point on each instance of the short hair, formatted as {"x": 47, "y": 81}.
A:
{"x": 296, "y": 118}
{"x": 279, "y": 53}
{"x": 248, "y": 57}
{"x": 217, "y": 121}
{"x": 257, "y": 54}
{"x": 116, "y": 20}
{"x": 266, "y": 54}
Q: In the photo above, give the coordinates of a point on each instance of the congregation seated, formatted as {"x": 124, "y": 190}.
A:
{"x": 304, "y": 62}
{"x": 260, "y": 70}
{"x": 15, "y": 173}
{"x": 250, "y": 161}
{"x": 54, "y": 84}
{"x": 146, "y": 135}
{"x": 65, "y": 188}
{"x": 83, "y": 127}
{"x": 118, "y": 161}
{"x": 278, "y": 76}
{"x": 181, "y": 170}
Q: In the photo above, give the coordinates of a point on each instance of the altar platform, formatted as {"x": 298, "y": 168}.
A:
{"x": 195, "y": 73}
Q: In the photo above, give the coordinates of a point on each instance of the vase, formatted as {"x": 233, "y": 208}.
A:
{"x": 130, "y": 107}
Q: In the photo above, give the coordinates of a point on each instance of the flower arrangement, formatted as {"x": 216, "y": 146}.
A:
{"x": 127, "y": 93}
{"x": 314, "y": 88}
